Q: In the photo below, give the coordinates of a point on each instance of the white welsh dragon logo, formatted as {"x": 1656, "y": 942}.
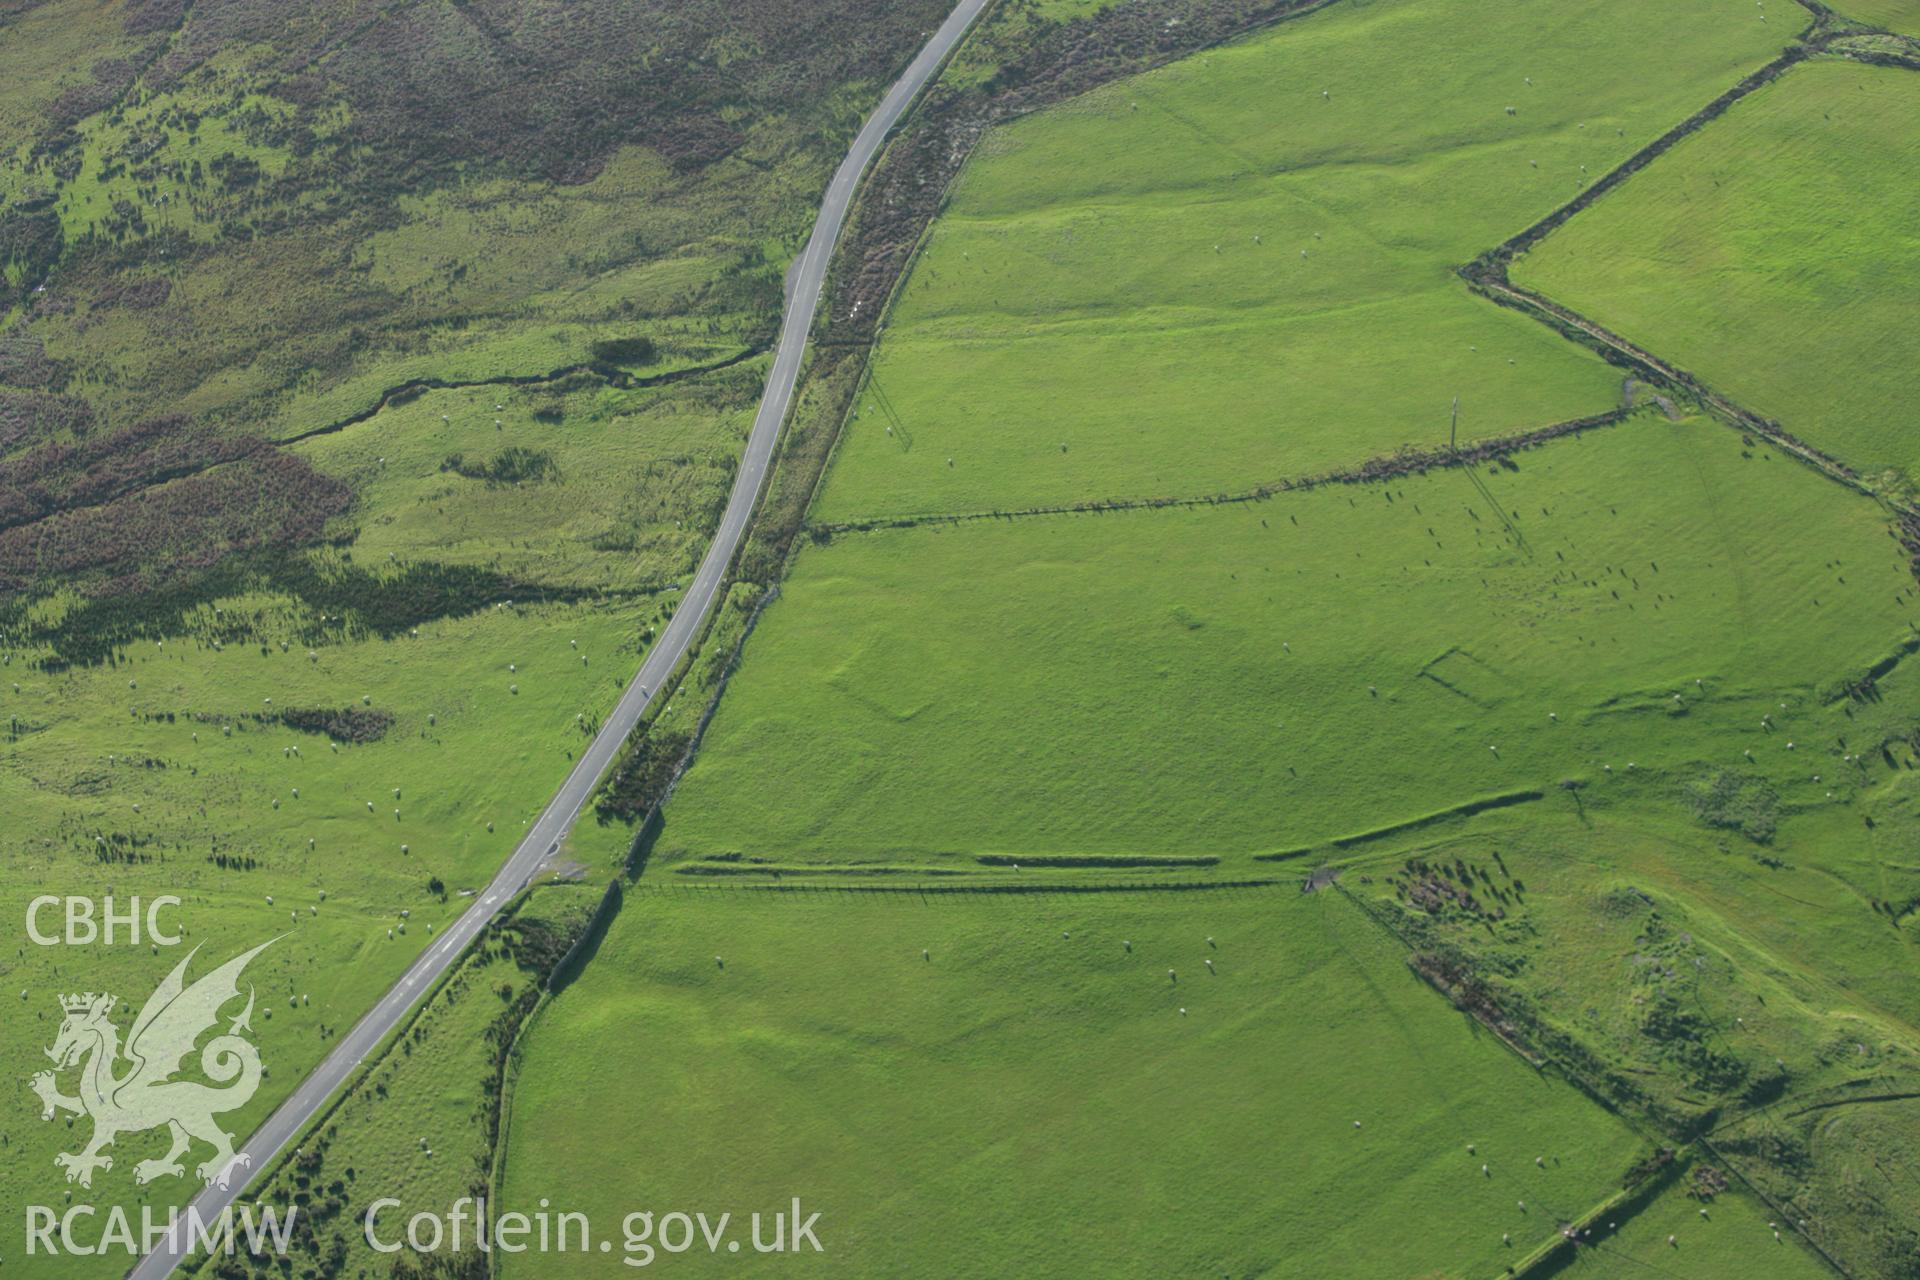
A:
{"x": 144, "y": 1096}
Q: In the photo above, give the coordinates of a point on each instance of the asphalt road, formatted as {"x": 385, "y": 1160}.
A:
{"x": 805, "y": 281}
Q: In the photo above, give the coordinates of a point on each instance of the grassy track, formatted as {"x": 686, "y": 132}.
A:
{"x": 1774, "y": 255}
{"x": 1216, "y": 254}
{"x": 1027, "y": 1101}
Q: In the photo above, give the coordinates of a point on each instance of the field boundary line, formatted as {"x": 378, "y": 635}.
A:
{"x": 866, "y": 342}
{"x": 1540, "y": 1062}
{"x": 647, "y": 829}
{"x": 1547, "y": 1060}
{"x": 1405, "y": 826}
{"x": 1706, "y": 1145}
{"x": 1522, "y": 241}
{"x": 1488, "y": 274}
{"x": 1410, "y": 460}
{"x": 508, "y": 1081}
{"x": 1906, "y": 1095}
{"x": 1903, "y": 61}
{"x": 1656, "y": 370}
{"x": 613, "y": 376}
{"x": 869, "y": 344}
{"x": 1552, "y": 1253}
{"x": 1090, "y": 884}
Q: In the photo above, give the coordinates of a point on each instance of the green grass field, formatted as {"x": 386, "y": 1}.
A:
{"x": 1895, "y": 15}
{"x": 1215, "y": 254}
{"x": 1256, "y": 677}
{"x": 1029, "y": 1097}
{"x": 1613, "y": 739}
{"x": 614, "y": 490}
{"x": 1774, "y": 255}
{"x": 1670, "y": 1237}
{"x": 1652, "y": 683}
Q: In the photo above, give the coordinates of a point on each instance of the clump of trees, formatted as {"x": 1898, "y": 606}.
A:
{"x": 641, "y": 777}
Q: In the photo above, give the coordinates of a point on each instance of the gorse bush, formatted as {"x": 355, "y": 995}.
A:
{"x": 513, "y": 465}
{"x": 1736, "y": 802}
{"x": 343, "y": 724}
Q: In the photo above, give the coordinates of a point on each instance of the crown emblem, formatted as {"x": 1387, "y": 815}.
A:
{"x": 145, "y": 1095}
